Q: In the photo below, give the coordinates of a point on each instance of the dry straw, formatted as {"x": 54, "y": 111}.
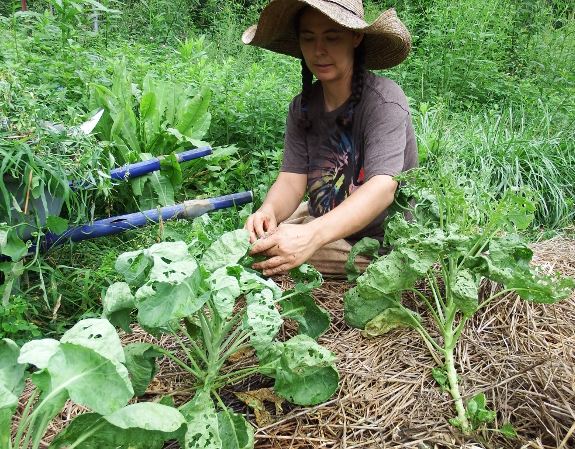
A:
{"x": 521, "y": 355}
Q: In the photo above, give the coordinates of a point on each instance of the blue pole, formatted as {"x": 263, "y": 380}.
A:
{"x": 115, "y": 225}
{"x": 141, "y": 168}
{"x": 144, "y": 167}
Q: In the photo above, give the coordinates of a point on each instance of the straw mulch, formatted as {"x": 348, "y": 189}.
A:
{"x": 521, "y": 355}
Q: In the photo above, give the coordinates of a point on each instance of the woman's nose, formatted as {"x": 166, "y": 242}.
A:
{"x": 319, "y": 48}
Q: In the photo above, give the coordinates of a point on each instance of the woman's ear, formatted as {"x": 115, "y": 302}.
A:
{"x": 357, "y": 38}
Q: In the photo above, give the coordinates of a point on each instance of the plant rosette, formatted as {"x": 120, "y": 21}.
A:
{"x": 455, "y": 241}
{"x": 197, "y": 302}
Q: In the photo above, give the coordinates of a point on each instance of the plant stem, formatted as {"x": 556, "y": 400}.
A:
{"x": 24, "y": 419}
{"x": 192, "y": 361}
{"x": 454, "y": 388}
{"x": 429, "y": 306}
{"x": 248, "y": 372}
{"x": 179, "y": 362}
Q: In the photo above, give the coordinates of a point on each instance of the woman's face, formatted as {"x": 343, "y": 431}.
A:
{"x": 327, "y": 47}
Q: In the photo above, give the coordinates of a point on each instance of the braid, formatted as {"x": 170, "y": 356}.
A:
{"x": 346, "y": 121}
{"x": 306, "y": 81}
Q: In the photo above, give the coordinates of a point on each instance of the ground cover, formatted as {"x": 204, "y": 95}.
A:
{"x": 491, "y": 90}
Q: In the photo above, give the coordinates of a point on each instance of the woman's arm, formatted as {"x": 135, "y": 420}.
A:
{"x": 281, "y": 201}
{"x": 290, "y": 245}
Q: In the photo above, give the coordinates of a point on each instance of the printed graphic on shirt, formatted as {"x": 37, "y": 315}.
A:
{"x": 335, "y": 173}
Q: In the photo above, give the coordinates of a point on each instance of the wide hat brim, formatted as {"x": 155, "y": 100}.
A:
{"x": 387, "y": 41}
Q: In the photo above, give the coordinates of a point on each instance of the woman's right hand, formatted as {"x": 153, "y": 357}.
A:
{"x": 260, "y": 223}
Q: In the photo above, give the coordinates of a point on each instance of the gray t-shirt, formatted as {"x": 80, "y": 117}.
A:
{"x": 336, "y": 161}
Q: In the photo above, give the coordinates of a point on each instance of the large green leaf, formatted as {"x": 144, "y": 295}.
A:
{"x": 118, "y": 303}
{"x": 227, "y": 250}
{"x": 145, "y": 425}
{"x": 97, "y": 334}
{"x": 160, "y": 302}
{"x": 388, "y": 274}
{"x": 11, "y": 377}
{"x": 83, "y": 375}
{"x": 389, "y": 319}
{"x": 225, "y": 289}
{"x": 38, "y": 352}
{"x": 203, "y": 429}
{"x": 313, "y": 320}
{"x": 192, "y": 112}
{"x": 308, "y": 389}
{"x": 366, "y": 246}
{"x": 465, "y": 291}
{"x": 235, "y": 431}
{"x": 359, "y": 311}
{"x": 141, "y": 364}
{"x": 304, "y": 371}
{"x": 262, "y": 318}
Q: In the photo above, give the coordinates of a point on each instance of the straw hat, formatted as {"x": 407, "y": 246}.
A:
{"x": 387, "y": 41}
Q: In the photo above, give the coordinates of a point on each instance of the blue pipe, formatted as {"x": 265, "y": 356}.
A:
{"x": 141, "y": 168}
{"x": 144, "y": 167}
{"x": 114, "y": 225}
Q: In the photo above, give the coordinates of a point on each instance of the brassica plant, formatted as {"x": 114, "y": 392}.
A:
{"x": 197, "y": 301}
{"x": 90, "y": 366}
{"x": 453, "y": 241}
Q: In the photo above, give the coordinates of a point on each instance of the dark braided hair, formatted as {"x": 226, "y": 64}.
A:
{"x": 345, "y": 121}
{"x": 306, "y": 81}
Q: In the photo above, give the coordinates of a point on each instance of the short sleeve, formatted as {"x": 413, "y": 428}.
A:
{"x": 295, "y": 156}
{"x": 385, "y": 136}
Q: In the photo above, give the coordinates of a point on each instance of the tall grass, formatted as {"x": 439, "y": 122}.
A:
{"x": 504, "y": 149}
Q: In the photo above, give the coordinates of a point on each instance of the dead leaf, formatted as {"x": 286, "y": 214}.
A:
{"x": 255, "y": 399}
{"x": 241, "y": 355}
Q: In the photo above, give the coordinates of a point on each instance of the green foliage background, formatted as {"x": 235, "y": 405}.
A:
{"x": 491, "y": 86}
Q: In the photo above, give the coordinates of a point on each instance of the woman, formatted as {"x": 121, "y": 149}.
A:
{"x": 347, "y": 134}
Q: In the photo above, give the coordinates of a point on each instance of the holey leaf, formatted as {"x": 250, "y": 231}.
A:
{"x": 358, "y": 311}
{"x": 200, "y": 414}
{"x": 262, "y": 318}
{"x": 313, "y": 320}
{"x": 465, "y": 291}
{"x": 235, "y": 431}
{"x": 118, "y": 303}
{"x": 304, "y": 371}
{"x": 306, "y": 278}
{"x": 388, "y": 274}
{"x": 97, "y": 334}
{"x": 225, "y": 289}
{"x": 85, "y": 376}
{"x": 389, "y": 319}
{"x": 227, "y": 250}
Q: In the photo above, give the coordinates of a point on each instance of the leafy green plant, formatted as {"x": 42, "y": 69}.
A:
{"x": 88, "y": 360}
{"x": 71, "y": 14}
{"x": 36, "y": 173}
{"x": 171, "y": 117}
{"x": 198, "y": 303}
{"x": 454, "y": 241}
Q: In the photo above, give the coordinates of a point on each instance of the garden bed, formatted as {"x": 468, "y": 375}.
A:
{"x": 521, "y": 355}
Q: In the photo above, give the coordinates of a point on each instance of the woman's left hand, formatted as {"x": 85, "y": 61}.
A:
{"x": 288, "y": 246}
